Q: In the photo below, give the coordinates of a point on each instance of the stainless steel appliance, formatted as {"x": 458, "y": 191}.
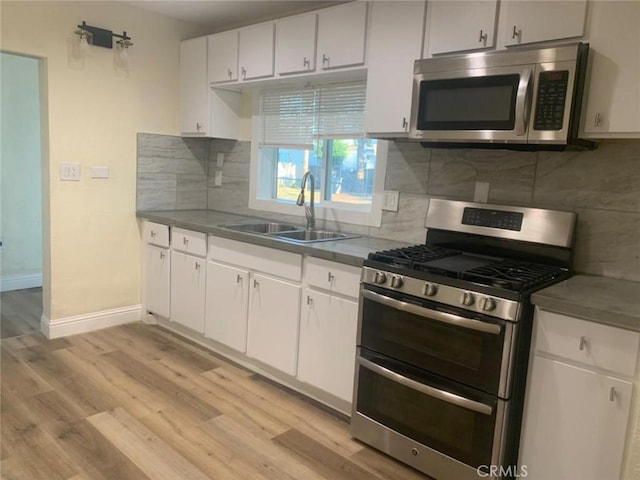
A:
{"x": 527, "y": 99}
{"x": 444, "y": 333}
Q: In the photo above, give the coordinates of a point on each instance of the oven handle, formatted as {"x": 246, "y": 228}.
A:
{"x": 433, "y": 314}
{"x": 426, "y": 389}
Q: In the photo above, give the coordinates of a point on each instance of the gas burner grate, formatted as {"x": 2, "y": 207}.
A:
{"x": 512, "y": 274}
{"x": 411, "y": 257}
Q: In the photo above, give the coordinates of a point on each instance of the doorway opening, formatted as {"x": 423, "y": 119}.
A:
{"x": 21, "y": 195}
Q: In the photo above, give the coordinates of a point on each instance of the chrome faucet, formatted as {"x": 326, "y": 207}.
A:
{"x": 309, "y": 211}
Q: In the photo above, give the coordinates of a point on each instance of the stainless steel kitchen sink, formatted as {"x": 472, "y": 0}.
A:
{"x": 309, "y": 236}
{"x": 286, "y": 231}
{"x": 263, "y": 228}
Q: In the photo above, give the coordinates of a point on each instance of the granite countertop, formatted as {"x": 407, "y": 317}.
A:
{"x": 350, "y": 251}
{"x": 604, "y": 300}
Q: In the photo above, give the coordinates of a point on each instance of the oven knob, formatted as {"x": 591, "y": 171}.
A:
{"x": 396, "y": 282}
{"x": 379, "y": 278}
{"x": 429, "y": 289}
{"x": 467, "y": 298}
{"x": 487, "y": 304}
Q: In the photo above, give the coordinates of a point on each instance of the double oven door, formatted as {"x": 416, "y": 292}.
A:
{"x": 432, "y": 383}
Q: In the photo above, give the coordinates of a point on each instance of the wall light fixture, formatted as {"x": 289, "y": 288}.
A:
{"x": 101, "y": 37}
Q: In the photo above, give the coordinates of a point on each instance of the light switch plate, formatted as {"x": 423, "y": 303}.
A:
{"x": 390, "y": 200}
{"x": 99, "y": 172}
{"x": 481, "y": 192}
{"x": 70, "y": 171}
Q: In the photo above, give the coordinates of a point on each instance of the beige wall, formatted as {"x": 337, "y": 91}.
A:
{"x": 93, "y": 114}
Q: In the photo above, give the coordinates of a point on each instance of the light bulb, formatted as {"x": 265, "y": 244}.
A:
{"x": 84, "y": 44}
{"x": 124, "y": 54}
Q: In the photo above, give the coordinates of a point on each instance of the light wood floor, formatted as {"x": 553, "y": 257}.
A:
{"x": 20, "y": 312}
{"x": 137, "y": 402}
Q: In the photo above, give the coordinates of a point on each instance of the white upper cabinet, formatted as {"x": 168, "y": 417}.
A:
{"x": 613, "y": 99}
{"x": 342, "y": 34}
{"x": 257, "y": 54}
{"x": 530, "y": 21}
{"x": 460, "y": 25}
{"x": 395, "y": 43}
{"x": 194, "y": 103}
{"x": 296, "y": 44}
{"x": 223, "y": 57}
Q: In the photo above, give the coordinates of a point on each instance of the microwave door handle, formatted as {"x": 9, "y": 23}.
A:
{"x": 447, "y": 397}
{"x": 522, "y": 102}
{"x": 436, "y": 315}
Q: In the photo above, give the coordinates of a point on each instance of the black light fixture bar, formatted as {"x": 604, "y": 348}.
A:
{"x": 102, "y": 37}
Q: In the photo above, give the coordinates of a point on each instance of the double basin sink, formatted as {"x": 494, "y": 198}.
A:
{"x": 284, "y": 231}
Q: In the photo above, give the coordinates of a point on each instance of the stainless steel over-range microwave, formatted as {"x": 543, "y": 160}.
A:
{"x": 529, "y": 99}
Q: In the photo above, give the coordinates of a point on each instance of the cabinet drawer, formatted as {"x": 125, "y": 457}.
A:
{"x": 156, "y": 233}
{"x": 601, "y": 346}
{"x": 187, "y": 241}
{"x": 332, "y": 276}
{"x": 255, "y": 257}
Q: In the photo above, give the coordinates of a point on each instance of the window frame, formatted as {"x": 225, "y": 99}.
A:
{"x": 326, "y": 210}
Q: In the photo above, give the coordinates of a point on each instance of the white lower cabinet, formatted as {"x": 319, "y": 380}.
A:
{"x": 274, "y": 308}
{"x": 227, "y": 305}
{"x": 253, "y": 301}
{"x": 157, "y": 284}
{"x": 576, "y": 423}
{"x": 188, "y": 284}
{"x": 328, "y": 343}
{"x": 578, "y": 399}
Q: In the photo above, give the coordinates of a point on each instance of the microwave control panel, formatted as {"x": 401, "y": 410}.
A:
{"x": 550, "y": 104}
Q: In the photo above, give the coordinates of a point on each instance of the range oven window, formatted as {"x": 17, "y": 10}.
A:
{"x": 455, "y": 350}
{"x": 457, "y": 431}
{"x": 470, "y": 103}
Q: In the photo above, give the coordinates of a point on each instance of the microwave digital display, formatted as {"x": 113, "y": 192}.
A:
{"x": 471, "y": 103}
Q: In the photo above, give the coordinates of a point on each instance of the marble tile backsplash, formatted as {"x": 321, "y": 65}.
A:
{"x": 601, "y": 186}
{"x": 172, "y": 172}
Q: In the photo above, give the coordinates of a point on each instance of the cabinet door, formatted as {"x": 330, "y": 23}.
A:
{"x": 461, "y": 25}
{"x": 327, "y": 352}
{"x": 223, "y": 57}
{"x": 227, "y": 305}
{"x": 529, "y": 21}
{"x": 296, "y": 44}
{"x": 395, "y": 43}
{"x": 614, "y": 90}
{"x": 194, "y": 103}
{"x": 226, "y": 110}
{"x": 341, "y": 36}
{"x": 257, "y": 45}
{"x": 575, "y": 423}
{"x": 274, "y": 307}
{"x": 157, "y": 278}
{"x": 188, "y": 290}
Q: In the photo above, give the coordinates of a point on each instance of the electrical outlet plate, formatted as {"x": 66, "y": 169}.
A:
{"x": 390, "y": 200}
{"x": 70, "y": 171}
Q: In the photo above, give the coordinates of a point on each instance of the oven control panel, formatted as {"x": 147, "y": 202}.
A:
{"x": 445, "y": 294}
{"x": 482, "y": 217}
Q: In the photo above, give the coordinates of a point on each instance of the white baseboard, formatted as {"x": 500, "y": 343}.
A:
{"x": 20, "y": 282}
{"x": 89, "y": 322}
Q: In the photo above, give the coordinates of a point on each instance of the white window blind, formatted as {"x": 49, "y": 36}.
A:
{"x": 341, "y": 110}
{"x": 288, "y": 118}
{"x": 295, "y": 118}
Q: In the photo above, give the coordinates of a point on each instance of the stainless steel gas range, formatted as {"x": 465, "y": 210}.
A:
{"x": 444, "y": 333}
